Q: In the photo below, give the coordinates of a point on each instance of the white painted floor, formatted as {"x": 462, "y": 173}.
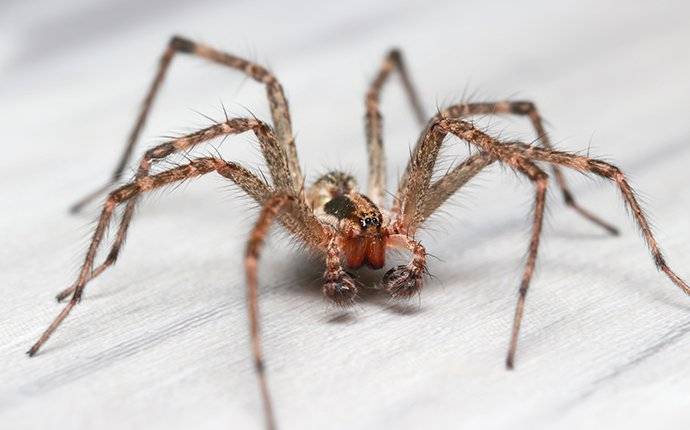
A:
{"x": 161, "y": 340}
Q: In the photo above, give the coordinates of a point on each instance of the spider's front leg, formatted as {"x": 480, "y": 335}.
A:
{"x": 274, "y": 207}
{"x": 270, "y": 211}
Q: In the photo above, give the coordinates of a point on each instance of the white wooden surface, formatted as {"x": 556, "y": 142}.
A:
{"x": 160, "y": 341}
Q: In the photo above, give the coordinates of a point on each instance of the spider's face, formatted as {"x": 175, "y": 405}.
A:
{"x": 335, "y": 200}
{"x": 360, "y": 222}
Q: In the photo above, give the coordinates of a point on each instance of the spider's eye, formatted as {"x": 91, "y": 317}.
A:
{"x": 369, "y": 221}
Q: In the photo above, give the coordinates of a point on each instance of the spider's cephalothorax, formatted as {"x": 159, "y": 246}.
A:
{"x": 336, "y": 201}
{"x": 332, "y": 218}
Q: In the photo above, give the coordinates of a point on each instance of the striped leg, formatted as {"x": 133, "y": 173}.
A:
{"x": 276, "y": 97}
{"x": 125, "y": 193}
{"x": 271, "y": 209}
{"x": 253, "y": 186}
{"x": 528, "y": 109}
{"x": 520, "y": 157}
{"x": 374, "y": 121}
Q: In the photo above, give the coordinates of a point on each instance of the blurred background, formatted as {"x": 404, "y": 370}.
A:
{"x": 161, "y": 339}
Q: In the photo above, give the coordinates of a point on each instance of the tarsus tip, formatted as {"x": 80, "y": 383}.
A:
{"x": 613, "y": 231}
{"x": 75, "y": 209}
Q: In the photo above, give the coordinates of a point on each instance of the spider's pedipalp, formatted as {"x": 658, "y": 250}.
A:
{"x": 338, "y": 285}
{"x": 401, "y": 282}
{"x": 406, "y": 280}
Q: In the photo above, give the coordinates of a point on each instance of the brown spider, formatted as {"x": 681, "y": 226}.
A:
{"x": 332, "y": 217}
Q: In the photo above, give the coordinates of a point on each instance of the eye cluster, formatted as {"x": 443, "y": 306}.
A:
{"x": 370, "y": 220}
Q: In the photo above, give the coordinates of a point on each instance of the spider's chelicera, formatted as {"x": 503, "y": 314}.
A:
{"x": 332, "y": 217}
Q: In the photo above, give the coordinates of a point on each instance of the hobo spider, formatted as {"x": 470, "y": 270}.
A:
{"x": 332, "y": 217}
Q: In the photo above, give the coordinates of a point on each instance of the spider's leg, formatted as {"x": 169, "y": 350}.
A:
{"x": 374, "y": 120}
{"x": 529, "y": 109}
{"x": 122, "y": 194}
{"x": 248, "y": 182}
{"x": 517, "y": 156}
{"x": 613, "y": 173}
{"x": 271, "y": 149}
{"x": 276, "y": 97}
{"x": 271, "y": 209}
{"x": 450, "y": 183}
{"x": 540, "y": 181}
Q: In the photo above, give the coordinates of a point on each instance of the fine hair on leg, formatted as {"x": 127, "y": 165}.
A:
{"x": 276, "y": 96}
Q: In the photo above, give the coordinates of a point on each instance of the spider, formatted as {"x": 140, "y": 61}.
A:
{"x": 332, "y": 217}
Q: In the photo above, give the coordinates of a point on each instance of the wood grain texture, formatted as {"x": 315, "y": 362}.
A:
{"x": 161, "y": 341}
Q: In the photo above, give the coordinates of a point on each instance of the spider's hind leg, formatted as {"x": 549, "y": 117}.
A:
{"x": 270, "y": 211}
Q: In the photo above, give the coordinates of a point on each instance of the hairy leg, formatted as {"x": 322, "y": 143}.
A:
{"x": 271, "y": 150}
{"x": 516, "y": 156}
{"x": 258, "y": 235}
{"x": 608, "y": 171}
{"x": 276, "y": 96}
{"x": 450, "y": 183}
{"x": 540, "y": 180}
{"x": 374, "y": 127}
{"x": 248, "y": 182}
{"x": 529, "y": 109}
{"x": 125, "y": 193}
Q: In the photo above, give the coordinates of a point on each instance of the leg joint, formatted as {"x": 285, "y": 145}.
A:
{"x": 522, "y": 107}
{"x": 181, "y": 44}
